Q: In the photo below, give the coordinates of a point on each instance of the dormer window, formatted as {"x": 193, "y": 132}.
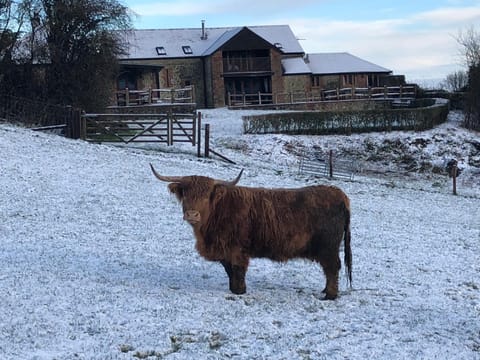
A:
{"x": 161, "y": 50}
{"x": 187, "y": 50}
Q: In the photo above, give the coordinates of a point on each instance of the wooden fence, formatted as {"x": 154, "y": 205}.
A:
{"x": 166, "y": 128}
{"x": 129, "y": 97}
{"x": 349, "y": 93}
{"x": 326, "y": 165}
{"x": 39, "y": 115}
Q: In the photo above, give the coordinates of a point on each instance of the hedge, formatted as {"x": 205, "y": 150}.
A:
{"x": 426, "y": 114}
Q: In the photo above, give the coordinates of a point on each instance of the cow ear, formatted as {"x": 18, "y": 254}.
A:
{"x": 218, "y": 192}
{"x": 176, "y": 189}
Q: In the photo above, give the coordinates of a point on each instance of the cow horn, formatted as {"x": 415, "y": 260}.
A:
{"x": 232, "y": 182}
{"x": 166, "y": 178}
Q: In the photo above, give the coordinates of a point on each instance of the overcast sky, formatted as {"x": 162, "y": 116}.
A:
{"x": 412, "y": 37}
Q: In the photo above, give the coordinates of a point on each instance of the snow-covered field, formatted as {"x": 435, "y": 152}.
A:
{"x": 96, "y": 262}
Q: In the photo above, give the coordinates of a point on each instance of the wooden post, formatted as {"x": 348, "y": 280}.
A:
{"x": 83, "y": 127}
{"x": 199, "y": 134}
{"x": 194, "y": 128}
{"x": 454, "y": 176}
{"x": 170, "y": 128}
{"x": 74, "y": 125}
{"x": 192, "y": 93}
{"x": 207, "y": 140}
{"x": 330, "y": 163}
{"x": 127, "y": 97}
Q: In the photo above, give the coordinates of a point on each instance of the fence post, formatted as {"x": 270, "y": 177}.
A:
{"x": 169, "y": 128}
{"x": 330, "y": 163}
{"x": 74, "y": 124}
{"x": 207, "y": 140}
{"x": 199, "y": 133}
{"x": 192, "y": 93}
{"x": 454, "y": 176}
{"x": 83, "y": 126}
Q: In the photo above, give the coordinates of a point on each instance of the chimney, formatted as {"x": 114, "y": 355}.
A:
{"x": 204, "y": 33}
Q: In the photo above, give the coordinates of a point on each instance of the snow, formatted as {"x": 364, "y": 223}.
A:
{"x": 342, "y": 63}
{"x": 96, "y": 262}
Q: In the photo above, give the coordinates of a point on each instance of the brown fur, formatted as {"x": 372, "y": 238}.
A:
{"x": 238, "y": 223}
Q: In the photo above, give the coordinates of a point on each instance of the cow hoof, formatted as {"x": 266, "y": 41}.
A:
{"x": 239, "y": 291}
{"x": 330, "y": 296}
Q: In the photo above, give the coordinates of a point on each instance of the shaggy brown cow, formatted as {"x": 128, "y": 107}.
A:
{"x": 233, "y": 224}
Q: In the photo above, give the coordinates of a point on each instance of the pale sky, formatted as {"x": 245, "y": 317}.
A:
{"x": 416, "y": 38}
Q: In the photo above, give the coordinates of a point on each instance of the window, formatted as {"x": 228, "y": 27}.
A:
{"x": 348, "y": 79}
{"x": 161, "y": 50}
{"x": 316, "y": 81}
{"x": 187, "y": 50}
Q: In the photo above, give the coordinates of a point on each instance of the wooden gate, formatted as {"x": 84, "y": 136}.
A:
{"x": 129, "y": 128}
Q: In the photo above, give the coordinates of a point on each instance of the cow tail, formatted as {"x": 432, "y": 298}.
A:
{"x": 347, "y": 249}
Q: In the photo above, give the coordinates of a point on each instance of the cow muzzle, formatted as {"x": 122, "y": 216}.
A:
{"x": 192, "y": 216}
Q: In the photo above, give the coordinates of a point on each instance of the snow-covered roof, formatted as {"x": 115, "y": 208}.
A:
{"x": 295, "y": 66}
{"x": 341, "y": 63}
{"x": 143, "y": 44}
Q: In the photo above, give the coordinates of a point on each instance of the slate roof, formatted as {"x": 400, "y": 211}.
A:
{"x": 341, "y": 63}
{"x": 295, "y": 66}
{"x": 143, "y": 43}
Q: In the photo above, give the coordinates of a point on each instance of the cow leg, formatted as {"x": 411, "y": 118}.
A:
{"x": 236, "y": 268}
{"x": 228, "y": 267}
{"x": 237, "y": 279}
{"x": 331, "y": 267}
{"x": 236, "y": 276}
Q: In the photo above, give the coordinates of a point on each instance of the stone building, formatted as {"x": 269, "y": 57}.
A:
{"x": 222, "y": 63}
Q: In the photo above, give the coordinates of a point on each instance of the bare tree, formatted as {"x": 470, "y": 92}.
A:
{"x": 456, "y": 81}
{"x": 469, "y": 42}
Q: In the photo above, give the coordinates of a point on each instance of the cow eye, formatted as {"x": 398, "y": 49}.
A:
{"x": 176, "y": 189}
